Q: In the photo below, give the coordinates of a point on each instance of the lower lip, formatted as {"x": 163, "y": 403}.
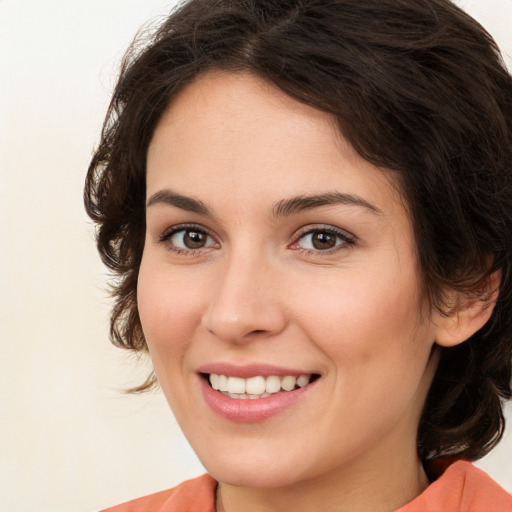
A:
{"x": 251, "y": 411}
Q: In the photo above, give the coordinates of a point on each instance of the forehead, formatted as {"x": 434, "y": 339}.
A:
{"x": 240, "y": 134}
{"x": 222, "y": 108}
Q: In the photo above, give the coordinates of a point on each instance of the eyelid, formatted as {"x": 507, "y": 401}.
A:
{"x": 168, "y": 233}
{"x": 347, "y": 238}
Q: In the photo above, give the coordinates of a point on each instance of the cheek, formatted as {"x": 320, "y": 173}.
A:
{"x": 169, "y": 309}
{"x": 369, "y": 326}
{"x": 371, "y": 331}
{"x": 362, "y": 305}
{"x": 170, "y": 314}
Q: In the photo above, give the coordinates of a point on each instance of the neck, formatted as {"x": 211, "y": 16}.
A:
{"x": 362, "y": 487}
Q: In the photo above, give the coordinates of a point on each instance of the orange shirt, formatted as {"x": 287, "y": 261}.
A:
{"x": 461, "y": 488}
{"x": 197, "y": 495}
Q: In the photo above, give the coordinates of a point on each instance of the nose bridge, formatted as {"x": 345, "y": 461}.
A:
{"x": 244, "y": 301}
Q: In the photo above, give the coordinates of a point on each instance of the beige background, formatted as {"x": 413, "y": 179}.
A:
{"x": 69, "y": 441}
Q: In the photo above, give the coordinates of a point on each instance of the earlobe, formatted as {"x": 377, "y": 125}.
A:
{"x": 472, "y": 312}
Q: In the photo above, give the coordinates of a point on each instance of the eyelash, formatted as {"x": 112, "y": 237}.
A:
{"x": 165, "y": 238}
{"x": 346, "y": 239}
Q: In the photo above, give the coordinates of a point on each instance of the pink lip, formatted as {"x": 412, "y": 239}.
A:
{"x": 251, "y": 411}
{"x": 251, "y": 370}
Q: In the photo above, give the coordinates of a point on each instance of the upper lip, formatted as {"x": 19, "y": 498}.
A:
{"x": 250, "y": 370}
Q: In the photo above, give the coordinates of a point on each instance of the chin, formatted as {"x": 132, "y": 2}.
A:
{"x": 250, "y": 475}
{"x": 263, "y": 467}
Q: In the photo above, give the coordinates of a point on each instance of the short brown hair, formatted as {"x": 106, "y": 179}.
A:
{"x": 417, "y": 87}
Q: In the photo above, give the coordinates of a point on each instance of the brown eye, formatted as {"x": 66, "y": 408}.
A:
{"x": 194, "y": 239}
{"x": 191, "y": 239}
{"x": 323, "y": 240}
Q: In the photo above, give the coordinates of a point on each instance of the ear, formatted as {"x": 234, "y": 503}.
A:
{"x": 471, "y": 312}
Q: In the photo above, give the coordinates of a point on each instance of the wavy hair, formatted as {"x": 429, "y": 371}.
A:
{"x": 417, "y": 87}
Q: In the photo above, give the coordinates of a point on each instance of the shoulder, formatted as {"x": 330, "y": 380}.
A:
{"x": 462, "y": 487}
{"x": 197, "y": 495}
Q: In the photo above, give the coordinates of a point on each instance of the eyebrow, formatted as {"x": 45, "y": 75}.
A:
{"x": 179, "y": 201}
{"x": 298, "y": 204}
{"x": 282, "y": 208}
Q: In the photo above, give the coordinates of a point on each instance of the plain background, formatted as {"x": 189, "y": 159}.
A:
{"x": 69, "y": 440}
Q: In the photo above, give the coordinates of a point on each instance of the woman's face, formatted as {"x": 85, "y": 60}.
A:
{"x": 274, "y": 250}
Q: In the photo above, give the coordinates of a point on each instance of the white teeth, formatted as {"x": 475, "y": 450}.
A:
{"x": 256, "y": 387}
{"x": 223, "y": 383}
{"x": 214, "y": 381}
{"x": 288, "y": 382}
{"x": 236, "y": 385}
{"x": 303, "y": 380}
{"x": 272, "y": 384}
{"x": 245, "y": 396}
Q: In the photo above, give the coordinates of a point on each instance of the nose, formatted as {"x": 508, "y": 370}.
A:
{"x": 245, "y": 303}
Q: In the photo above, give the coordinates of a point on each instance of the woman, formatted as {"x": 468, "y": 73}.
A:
{"x": 308, "y": 205}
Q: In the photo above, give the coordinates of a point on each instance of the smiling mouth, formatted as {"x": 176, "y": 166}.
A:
{"x": 258, "y": 386}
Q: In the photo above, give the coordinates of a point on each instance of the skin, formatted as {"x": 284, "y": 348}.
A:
{"x": 258, "y": 291}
